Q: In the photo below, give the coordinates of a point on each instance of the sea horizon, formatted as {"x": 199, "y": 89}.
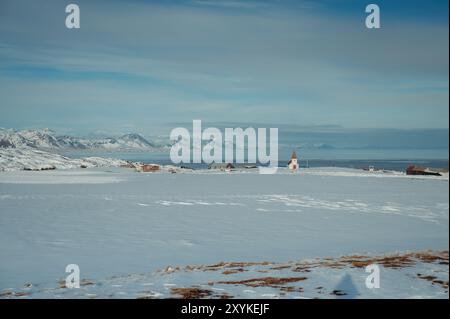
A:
{"x": 346, "y": 160}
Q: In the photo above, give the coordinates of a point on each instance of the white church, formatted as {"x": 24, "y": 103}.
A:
{"x": 293, "y": 162}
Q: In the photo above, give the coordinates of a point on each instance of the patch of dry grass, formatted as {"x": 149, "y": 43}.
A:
{"x": 275, "y": 282}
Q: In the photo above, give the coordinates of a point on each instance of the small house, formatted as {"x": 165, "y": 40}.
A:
{"x": 146, "y": 168}
{"x": 417, "y": 170}
{"x": 222, "y": 166}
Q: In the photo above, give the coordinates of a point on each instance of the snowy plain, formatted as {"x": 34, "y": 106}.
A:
{"x": 134, "y": 234}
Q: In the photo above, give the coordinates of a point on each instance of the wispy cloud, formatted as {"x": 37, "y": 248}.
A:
{"x": 231, "y": 4}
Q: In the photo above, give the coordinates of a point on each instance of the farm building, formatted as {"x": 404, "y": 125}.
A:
{"x": 145, "y": 168}
{"x": 417, "y": 170}
{"x": 221, "y": 166}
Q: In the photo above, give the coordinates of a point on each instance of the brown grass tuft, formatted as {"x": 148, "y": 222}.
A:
{"x": 264, "y": 281}
{"x": 191, "y": 293}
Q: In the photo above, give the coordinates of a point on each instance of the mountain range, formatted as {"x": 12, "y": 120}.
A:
{"x": 48, "y": 140}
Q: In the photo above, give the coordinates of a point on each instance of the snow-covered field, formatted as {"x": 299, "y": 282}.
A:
{"x": 218, "y": 234}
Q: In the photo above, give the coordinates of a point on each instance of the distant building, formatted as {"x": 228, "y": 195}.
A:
{"x": 145, "y": 168}
{"x": 221, "y": 166}
{"x": 293, "y": 162}
{"x": 417, "y": 170}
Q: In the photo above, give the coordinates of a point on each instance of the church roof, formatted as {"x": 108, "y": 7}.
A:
{"x": 294, "y": 155}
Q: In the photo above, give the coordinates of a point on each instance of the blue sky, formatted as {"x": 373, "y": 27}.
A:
{"x": 141, "y": 65}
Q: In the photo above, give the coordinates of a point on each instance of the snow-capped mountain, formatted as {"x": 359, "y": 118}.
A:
{"x": 48, "y": 140}
{"x": 135, "y": 141}
{"x": 36, "y": 139}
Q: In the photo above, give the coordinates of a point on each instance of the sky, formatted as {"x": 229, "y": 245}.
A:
{"x": 138, "y": 66}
